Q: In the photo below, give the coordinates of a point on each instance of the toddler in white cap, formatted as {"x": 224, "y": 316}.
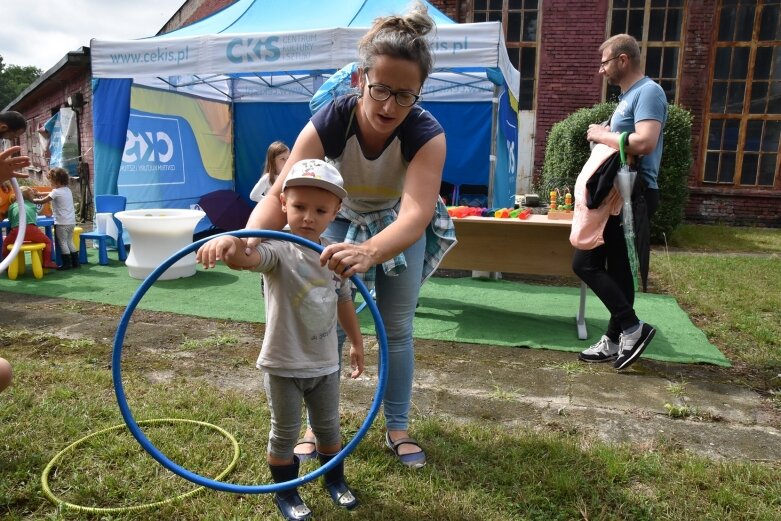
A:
{"x": 317, "y": 173}
{"x": 300, "y": 355}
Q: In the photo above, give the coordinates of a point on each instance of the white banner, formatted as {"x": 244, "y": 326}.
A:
{"x": 461, "y": 46}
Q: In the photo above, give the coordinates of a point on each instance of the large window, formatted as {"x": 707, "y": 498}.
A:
{"x": 744, "y": 116}
{"x": 520, "y": 20}
{"x": 657, "y": 26}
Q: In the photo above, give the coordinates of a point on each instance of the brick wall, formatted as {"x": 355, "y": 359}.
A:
{"x": 742, "y": 208}
{"x": 568, "y": 76}
{"x": 192, "y": 11}
{"x": 452, "y": 8}
{"x": 40, "y": 110}
{"x": 695, "y": 73}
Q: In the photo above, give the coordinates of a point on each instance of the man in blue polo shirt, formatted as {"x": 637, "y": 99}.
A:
{"x": 642, "y": 112}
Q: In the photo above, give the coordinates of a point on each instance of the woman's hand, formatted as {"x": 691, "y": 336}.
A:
{"x": 10, "y": 163}
{"x": 250, "y": 244}
{"x": 347, "y": 259}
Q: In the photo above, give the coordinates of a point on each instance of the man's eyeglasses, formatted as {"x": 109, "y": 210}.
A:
{"x": 604, "y": 63}
{"x": 380, "y": 92}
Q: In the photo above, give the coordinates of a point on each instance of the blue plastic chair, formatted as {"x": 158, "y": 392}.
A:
{"x": 105, "y": 204}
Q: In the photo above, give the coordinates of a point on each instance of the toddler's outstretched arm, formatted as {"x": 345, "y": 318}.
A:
{"x": 230, "y": 250}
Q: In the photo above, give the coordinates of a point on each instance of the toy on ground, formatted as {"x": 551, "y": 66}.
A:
{"x": 133, "y": 508}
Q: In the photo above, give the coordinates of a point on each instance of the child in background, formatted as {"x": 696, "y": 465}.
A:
{"x": 64, "y": 216}
{"x": 276, "y": 156}
{"x": 299, "y": 356}
{"x": 31, "y": 232}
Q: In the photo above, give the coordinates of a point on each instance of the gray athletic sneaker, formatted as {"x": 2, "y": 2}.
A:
{"x": 632, "y": 346}
{"x": 603, "y": 351}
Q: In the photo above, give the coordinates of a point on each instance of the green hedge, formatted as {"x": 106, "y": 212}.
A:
{"x": 567, "y": 151}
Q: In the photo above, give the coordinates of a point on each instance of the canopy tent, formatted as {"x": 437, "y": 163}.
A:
{"x": 192, "y": 111}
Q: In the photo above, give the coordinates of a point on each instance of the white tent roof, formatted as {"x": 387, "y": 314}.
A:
{"x": 464, "y": 49}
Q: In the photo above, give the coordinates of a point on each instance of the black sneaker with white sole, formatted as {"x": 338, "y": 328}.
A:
{"x": 603, "y": 351}
{"x": 631, "y": 346}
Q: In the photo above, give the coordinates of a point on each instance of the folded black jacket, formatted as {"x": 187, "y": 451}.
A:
{"x": 598, "y": 187}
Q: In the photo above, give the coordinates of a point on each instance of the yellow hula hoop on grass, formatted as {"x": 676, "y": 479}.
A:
{"x": 113, "y": 510}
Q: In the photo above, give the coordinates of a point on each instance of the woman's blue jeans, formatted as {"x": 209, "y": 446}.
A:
{"x": 396, "y": 298}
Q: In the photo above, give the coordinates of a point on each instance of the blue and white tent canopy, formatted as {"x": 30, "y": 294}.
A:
{"x": 259, "y": 55}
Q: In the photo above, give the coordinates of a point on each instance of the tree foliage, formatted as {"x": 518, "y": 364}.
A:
{"x": 14, "y": 79}
{"x": 567, "y": 151}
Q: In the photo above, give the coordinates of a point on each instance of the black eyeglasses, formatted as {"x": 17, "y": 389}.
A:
{"x": 380, "y": 92}
{"x": 602, "y": 64}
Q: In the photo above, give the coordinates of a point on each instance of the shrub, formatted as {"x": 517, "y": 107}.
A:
{"x": 673, "y": 173}
{"x": 567, "y": 151}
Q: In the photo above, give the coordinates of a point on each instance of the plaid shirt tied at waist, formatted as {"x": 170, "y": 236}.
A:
{"x": 440, "y": 237}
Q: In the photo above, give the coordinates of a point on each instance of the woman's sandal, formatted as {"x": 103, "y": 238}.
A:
{"x": 414, "y": 460}
{"x": 305, "y": 456}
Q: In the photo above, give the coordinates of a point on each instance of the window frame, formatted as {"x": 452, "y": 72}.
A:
{"x": 680, "y": 44}
{"x": 470, "y": 18}
{"x": 745, "y": 116}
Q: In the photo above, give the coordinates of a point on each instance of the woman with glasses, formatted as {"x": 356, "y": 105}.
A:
{"x": 391, "y": 154}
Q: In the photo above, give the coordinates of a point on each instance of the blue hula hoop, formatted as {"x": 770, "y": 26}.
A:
{"x": 127, "y": 415}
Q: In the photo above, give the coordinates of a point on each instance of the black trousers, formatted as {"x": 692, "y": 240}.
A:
{"x": 606, "y": 270}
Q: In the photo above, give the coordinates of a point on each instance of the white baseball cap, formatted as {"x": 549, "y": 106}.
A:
{"x": 317, "y": 173}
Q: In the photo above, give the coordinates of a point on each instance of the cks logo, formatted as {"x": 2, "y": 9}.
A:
{"x": 150, "y": 146}
{"x": 253, "y": 49}
{"x": 510, "y": 156}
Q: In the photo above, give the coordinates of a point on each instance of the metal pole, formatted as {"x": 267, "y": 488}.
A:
{"x": 492, "y": 156}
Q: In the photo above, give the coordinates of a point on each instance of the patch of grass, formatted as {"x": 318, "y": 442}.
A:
{"x": 212, "y": 341}
{"x": 79, "y": 344}
{"x": 677, "y": 389}
{"x": 679, "y": 411}
{"x": 736, "y": 301}
{"x": 500, "y": 393}
{"x": 477, "y": 470}
{"x": 13, "y": 335}
{"x": 73, "y": 306}
{"x": 775, "y": 398}
{"x": 718, "y": 238}
{"x": 572, "y": 368}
